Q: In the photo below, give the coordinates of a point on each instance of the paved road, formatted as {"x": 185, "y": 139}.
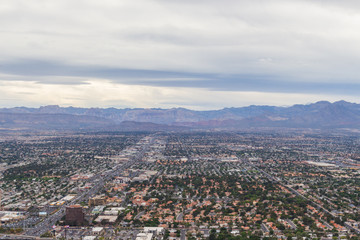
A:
{"x": 139, "y": 215}
{"x": 279, "y": 181}
{"x": 183, "y": 234}
{"x": 180, "y": 217}
{"x": 22, "y": 237}
{"x": 100, "y": 180}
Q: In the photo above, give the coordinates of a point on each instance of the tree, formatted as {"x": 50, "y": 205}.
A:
{"x": 212, "y": 235}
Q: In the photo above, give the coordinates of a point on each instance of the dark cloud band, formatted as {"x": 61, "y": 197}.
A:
{"x": 50, "y": 72}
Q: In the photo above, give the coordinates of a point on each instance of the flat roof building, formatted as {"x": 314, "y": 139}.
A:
{"x": 74, "y": 215}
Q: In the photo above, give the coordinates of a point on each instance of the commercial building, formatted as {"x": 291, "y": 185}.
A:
{"x": 98, "y": 200}
{"x": 74, "y": 215}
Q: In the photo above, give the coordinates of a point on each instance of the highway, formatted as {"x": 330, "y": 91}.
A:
{"x": 100, "y": 181}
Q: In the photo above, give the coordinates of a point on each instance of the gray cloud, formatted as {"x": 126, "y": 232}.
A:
{"x": 284, "y": 46}
{"x": 47, "y": 72}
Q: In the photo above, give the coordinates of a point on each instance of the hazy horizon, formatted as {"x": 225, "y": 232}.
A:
{"x": 215, "y": 109}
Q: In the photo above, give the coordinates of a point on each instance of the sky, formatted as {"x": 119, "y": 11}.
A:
{"x": 202, "y": 54}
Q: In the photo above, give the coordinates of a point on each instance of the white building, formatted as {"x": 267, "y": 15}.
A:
{"x": 144, "y": 236}
{"x": 97, "y": 230}
{"x": 157, "y": 230}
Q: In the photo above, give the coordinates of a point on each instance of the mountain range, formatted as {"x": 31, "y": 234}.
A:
{"x": 319, "y": 115}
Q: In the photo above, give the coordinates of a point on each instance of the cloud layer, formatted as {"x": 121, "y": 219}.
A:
{"x": 303, "y": 50}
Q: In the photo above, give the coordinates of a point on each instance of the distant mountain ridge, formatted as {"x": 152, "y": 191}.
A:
{"x": 321, "y": 114}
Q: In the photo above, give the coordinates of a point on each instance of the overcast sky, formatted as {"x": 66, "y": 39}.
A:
{"x": 201, "y": 54}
